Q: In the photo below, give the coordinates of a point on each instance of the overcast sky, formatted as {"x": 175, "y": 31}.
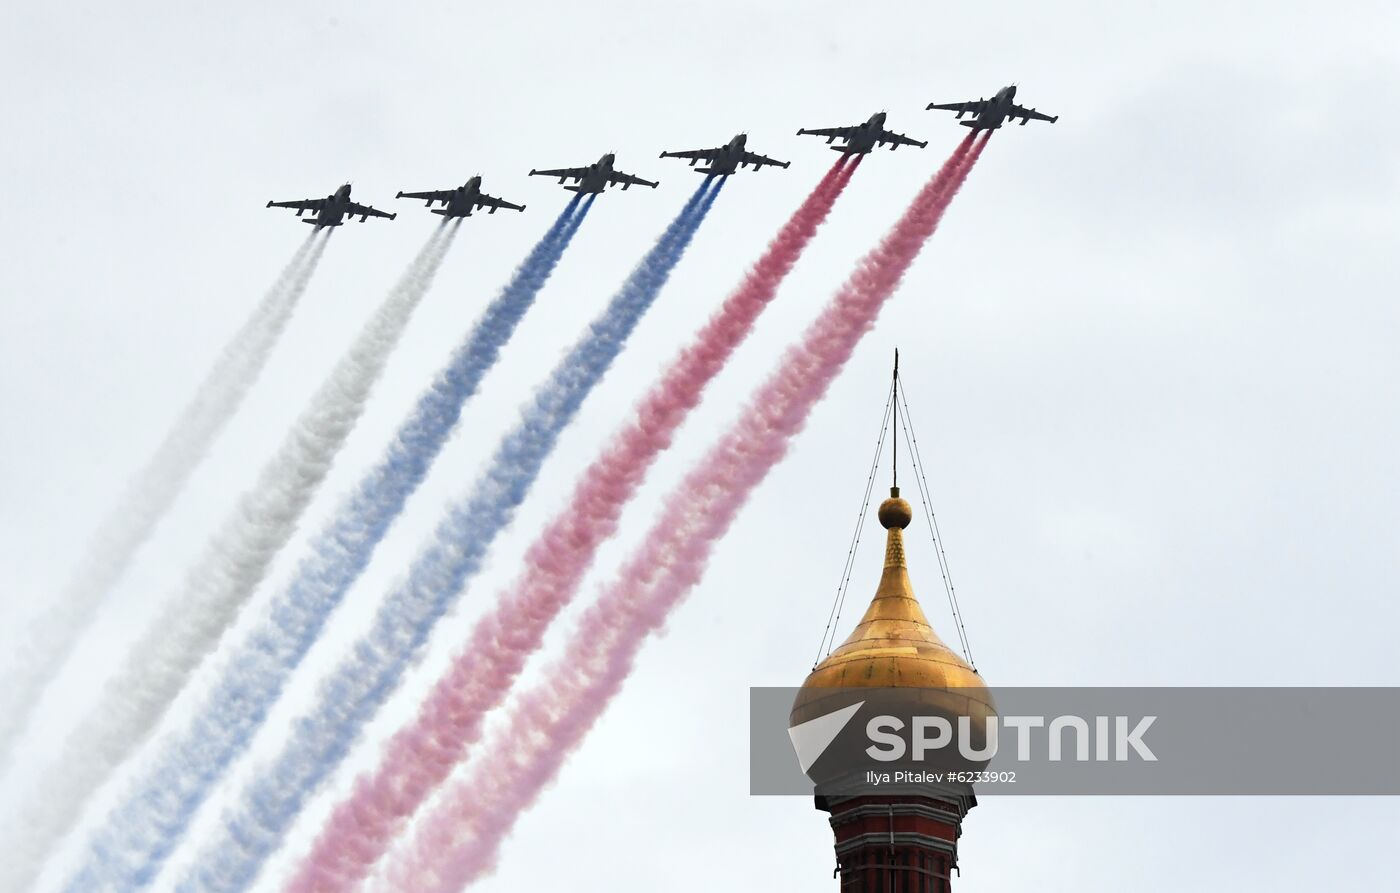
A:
{"x": 1150, "y": 356}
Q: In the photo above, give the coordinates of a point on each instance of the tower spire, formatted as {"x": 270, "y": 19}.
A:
{"x": 894, "y": 425}
{"x": 888, "y": 839}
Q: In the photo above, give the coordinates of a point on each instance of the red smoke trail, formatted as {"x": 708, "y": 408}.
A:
{"x": 423, "y": 754}
{"x": 458, "y": 840}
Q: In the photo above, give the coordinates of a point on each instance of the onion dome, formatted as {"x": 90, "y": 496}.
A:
{"x": 894, "y": 646}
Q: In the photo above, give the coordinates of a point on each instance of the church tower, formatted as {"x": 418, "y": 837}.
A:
{"x": 905, "y": 842}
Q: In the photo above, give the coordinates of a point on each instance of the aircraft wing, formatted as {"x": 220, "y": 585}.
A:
{"x": 433, "y": 195}
{"x": 629, "y": 180}
{"x": 830, "y": 133}
{"x": 972, "y": 106}
{"x": 1026, "y": 114}
{"x": 355, "y": 209}
{"x": 490, "y": 201}
{"x": 696, "y": 154}
{"x": 759, "y": 161}
{"x": 310, "y": 204}
{"x": 899, "y": 139}
{"x": 575, "y": 173}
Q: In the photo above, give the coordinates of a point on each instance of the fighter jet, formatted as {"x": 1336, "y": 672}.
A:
{"x": 862, "y": 138}
{"x": 460, "y": 202}
{"x": 332, "y": 210}
{"x": 988, "y": 114}
{"x": 725, "y": 160}
{"x": 596, "y": 177}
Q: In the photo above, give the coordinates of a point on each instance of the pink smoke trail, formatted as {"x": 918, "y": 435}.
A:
{"x": 458, "y": 841}
{"x": 421, "y": 756}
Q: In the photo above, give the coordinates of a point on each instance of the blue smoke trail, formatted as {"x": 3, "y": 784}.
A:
{"x": 355, "y": 690}
{"x": 136, "y": 837}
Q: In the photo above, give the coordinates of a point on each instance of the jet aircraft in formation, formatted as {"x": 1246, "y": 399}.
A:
{"x": 859, "y": 139}
{"x": 332, "y": 210}
{"x": 725, "y": 160}
{"x": 595, "y": 177}
{"x": 721, "y": 161}
{"x": 460, "y": 202}
{"x": 988, "y": 114}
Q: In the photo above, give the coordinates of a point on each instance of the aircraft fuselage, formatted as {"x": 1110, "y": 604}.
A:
{"x": 597, "y": 177}
{"x": 991, "y": 114}
{"x": 464, "y": 199}
{"x": 333, "y": 212}
{"x": 863, "y": 141}
{"x": 994, "y": 115}
{"x": 729, "y": 158}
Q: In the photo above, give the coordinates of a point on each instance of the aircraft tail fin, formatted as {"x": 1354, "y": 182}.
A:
{"x": 574, "y": 188}
{"x": 972, "y": 123}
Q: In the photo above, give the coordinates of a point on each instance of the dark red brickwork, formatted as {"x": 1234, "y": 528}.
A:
{"x": 897, "y": 844}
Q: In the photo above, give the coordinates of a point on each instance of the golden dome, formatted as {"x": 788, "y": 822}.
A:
{"x": 894, "y": 646}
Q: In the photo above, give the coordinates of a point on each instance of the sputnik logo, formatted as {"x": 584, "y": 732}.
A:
{"x": 811, "y": 738}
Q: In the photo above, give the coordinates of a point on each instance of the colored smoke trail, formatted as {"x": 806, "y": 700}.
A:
{"x": 420, "y": 756}
{"x": 374, "y": 666}
{"x": 149, "y": 495}
{"x": 458, "y": 841}
{"x": 136, "y": 838}
{"x": 222, "y": 579}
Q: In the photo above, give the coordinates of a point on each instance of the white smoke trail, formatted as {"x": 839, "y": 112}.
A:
{"x": 127, "y": 850}
{"x": 149, "y": 494}
{"x": 220, "y": 582}
{"x": 230, "y": 858}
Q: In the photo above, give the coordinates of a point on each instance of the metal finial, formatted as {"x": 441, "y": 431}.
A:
{"x": 894, "y": 424}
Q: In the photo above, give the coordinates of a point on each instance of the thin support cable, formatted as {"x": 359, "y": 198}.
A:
{"x": 834, "y": 616}
{"x": 925, "y": 496}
